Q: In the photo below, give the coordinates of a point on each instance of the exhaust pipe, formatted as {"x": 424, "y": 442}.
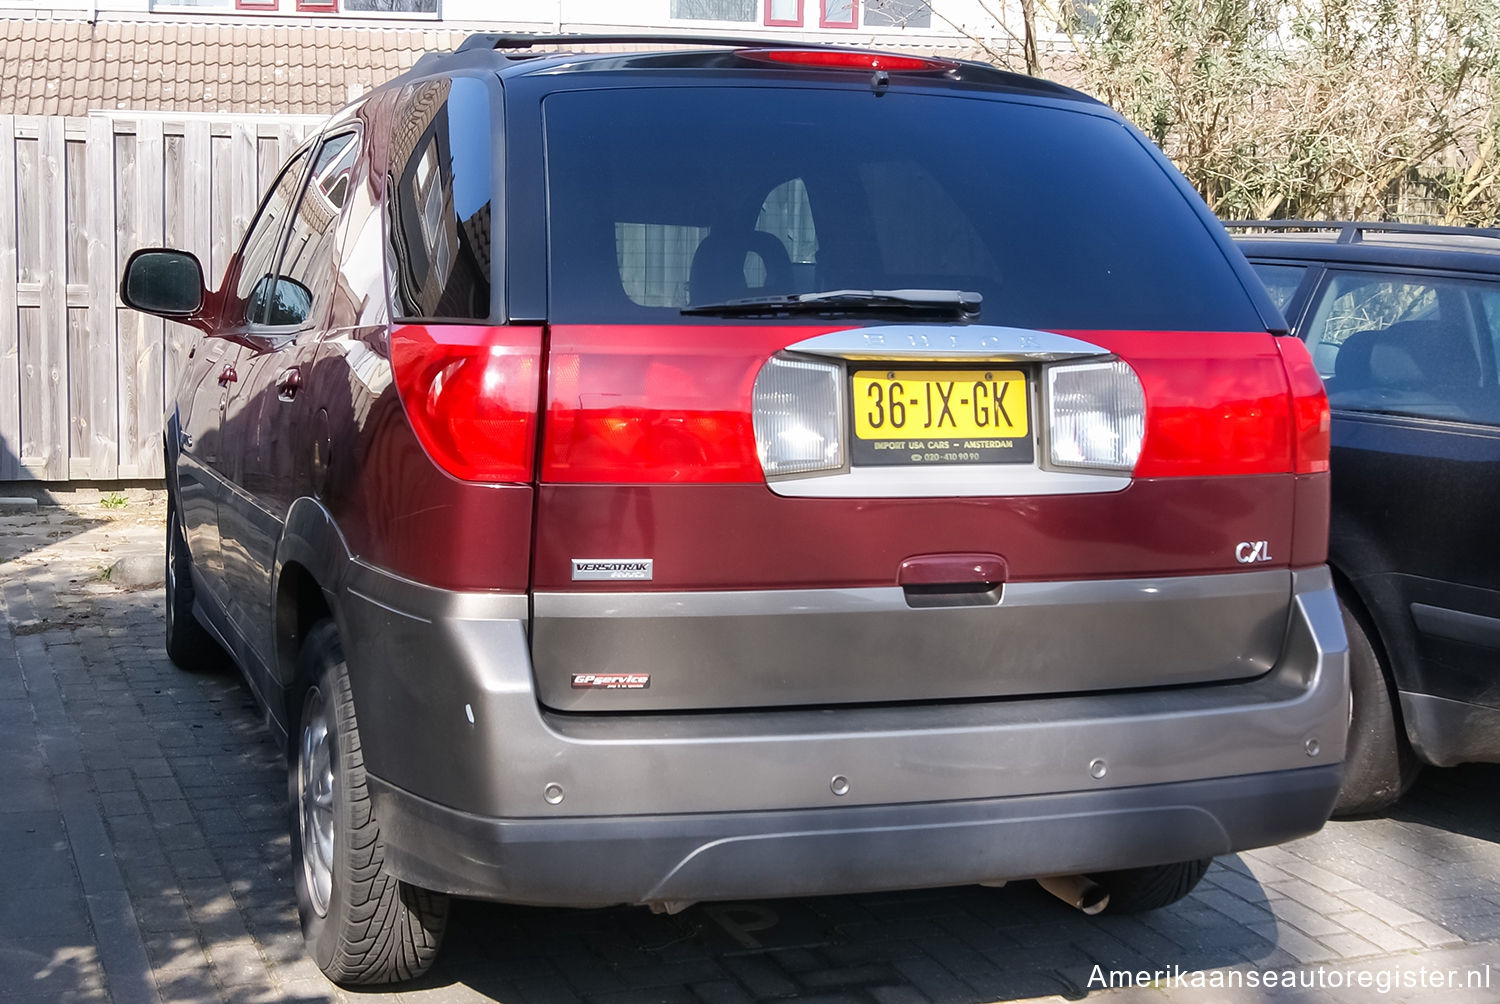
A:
{"x": 671, "y": 907}
{"x": 1078, "y": 891}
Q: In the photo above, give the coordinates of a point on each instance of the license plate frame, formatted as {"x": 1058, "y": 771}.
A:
{"x": 947, "y": 415}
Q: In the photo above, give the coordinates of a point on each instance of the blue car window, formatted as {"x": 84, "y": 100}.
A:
{"x": 1406, "y": 345}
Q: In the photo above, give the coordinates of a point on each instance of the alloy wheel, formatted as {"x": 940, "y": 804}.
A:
{"x": 315, "y": 815}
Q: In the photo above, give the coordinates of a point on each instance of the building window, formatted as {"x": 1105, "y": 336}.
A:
{"x": 391, "y": 6}
{"x": 318, "y": 6}
{"x": 713, "y": 10}
{"x": 255, "y": 4}
{"x": 838, "y": 14}
{"x": 784, "y": 13}
{"x": 898, "y": 14}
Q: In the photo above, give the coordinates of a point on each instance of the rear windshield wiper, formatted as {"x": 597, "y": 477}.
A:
{"x": 937, "y": 303}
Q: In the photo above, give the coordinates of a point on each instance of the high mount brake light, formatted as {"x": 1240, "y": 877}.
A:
{"x": 844, "y": 59}
{"x": 471, "y": 395}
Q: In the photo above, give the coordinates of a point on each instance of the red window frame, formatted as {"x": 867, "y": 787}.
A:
{"x": 318, "y": 6}
{"x": 783, "y": 22}
{"x": 257, "y": 4}
{"x": 823, "y": 21}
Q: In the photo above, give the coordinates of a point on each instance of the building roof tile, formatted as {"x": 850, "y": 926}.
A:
{"x": 71, "y": 67}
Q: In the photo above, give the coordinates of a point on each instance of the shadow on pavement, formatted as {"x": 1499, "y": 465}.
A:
{"x": 1450, "y": 799}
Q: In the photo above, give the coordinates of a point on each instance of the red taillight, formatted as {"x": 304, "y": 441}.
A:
{"x": 471, "y": 393}
{"x": 1311, "y": 418}
{"x": 637, "y": 404}
{"x": 844, "y": 59}
{"x": 1216, "y": 402}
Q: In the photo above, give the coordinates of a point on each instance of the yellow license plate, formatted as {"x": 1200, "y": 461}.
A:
{"x": 940, "y": 416}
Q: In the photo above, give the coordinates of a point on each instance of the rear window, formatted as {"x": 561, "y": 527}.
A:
{"x": 664, "y": 197}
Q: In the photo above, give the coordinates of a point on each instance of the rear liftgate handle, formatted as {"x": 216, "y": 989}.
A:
{"x": 952, "y": 580}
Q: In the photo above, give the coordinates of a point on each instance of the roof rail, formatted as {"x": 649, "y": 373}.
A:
{"x": 517, "y": 40}
{"x": 1353, "y": 231}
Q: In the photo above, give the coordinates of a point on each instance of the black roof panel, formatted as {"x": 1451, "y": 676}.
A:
{"x": 517, "y": 56}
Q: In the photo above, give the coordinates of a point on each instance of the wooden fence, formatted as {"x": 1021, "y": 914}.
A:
{"x": 83, "y": 381}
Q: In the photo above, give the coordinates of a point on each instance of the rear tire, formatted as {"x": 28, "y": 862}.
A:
{"x": 361, "y": 924}
{"x": 1136, "y": 890}
{"x": 1379, "y": 765}
{"x": 189, "y": 645}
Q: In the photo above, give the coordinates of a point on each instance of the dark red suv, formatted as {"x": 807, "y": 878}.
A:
{"x": 749, "y": 471}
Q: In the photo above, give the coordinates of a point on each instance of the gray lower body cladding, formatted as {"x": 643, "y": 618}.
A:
{"x": 809, "y": 852}
{"x": 839, "y": 646}
{"x": 483, "y": 791}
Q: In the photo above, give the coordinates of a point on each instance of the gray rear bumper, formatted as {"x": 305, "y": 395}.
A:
{"x": 643, "y": 807}
{"x": 759, "y": 855}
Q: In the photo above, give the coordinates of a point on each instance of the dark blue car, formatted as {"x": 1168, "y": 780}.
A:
{"x": 1403, "y": 323}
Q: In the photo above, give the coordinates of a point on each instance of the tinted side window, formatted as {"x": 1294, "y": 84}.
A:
{"x": 258, "y": 253}
{"x": 303, "y": 279}
{"x": 1490, "y": 300}
{"x": 662, "y": 197}
{"x": 1406, "y": 345}
{"x": 439, "y": 201}
{"x": 1281, "y": 281}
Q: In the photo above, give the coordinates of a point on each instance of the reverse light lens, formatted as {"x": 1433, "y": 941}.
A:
{"x": 471, "y": 393}
{"x": 1096, "y": 415}
{"x": 797, "y": 408}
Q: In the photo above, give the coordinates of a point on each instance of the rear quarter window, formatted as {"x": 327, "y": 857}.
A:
{"x": 439, "y": 204}
{"x": 663, "y": 197}
{"x": 1281, "y": 281}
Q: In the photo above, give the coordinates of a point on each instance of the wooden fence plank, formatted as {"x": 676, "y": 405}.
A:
{"x": 103, "y": 347}
{"x": 28, "y": 290}
{"x": 221, "y": 204}
{"x": 76, "y": 180}
{"x": 10, "y": 372}
{"x": 49, "y": 394}
{"x": 28, "y": 205}
{"x": 267, "y": 160}
{"x": 196, "y": 232}
{"x": 78, "y": 379}
{"x": 129, "y": 325}
{"x": 245, "y": 186}
{"x": 149, "y": 377}
{"x": 289, "y": 136}
{"x": 78, "y": 389}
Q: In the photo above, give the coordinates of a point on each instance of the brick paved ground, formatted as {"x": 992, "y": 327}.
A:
{"x": 143, "y": 857}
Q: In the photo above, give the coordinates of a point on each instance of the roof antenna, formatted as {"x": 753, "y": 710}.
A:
{"x": 880, "y": 82}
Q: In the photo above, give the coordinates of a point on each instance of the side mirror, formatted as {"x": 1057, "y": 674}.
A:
{"x": 162, "y": 282}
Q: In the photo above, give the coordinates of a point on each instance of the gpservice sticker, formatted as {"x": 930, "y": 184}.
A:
{"x": 611, "y": 681}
